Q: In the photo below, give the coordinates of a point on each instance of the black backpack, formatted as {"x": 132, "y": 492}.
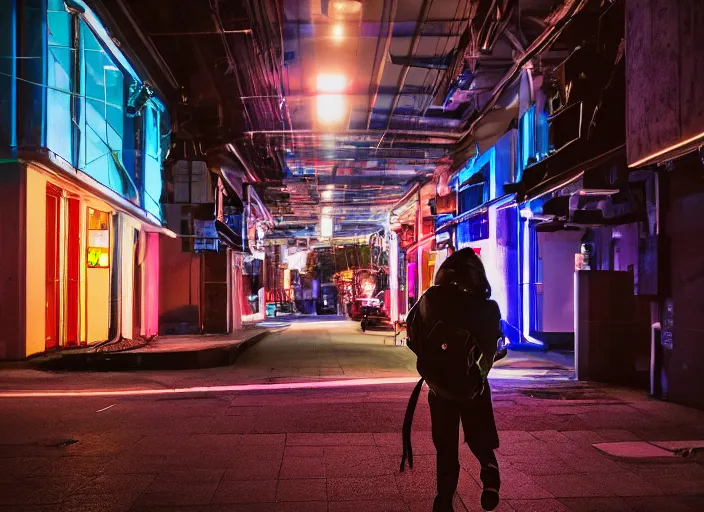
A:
{"x": 447, "y": 332}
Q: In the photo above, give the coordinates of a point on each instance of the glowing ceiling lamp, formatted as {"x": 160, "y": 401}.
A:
{"x": 326, "y": 227}
{"x": 332, "y": 108}
{"x": 331, "y": 83}
{"x": 338, "y": 32}
{"x": 344, "y": 8}
{"x": 331, "y": 103}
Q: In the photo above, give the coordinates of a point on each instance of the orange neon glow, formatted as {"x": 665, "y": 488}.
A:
{"x": 496, "y": 374}
{"x": 667, "y": 150}
{"x": 330, "y": 83}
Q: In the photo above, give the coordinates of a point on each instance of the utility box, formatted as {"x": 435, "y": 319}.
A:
{"x": 612, "y": 329}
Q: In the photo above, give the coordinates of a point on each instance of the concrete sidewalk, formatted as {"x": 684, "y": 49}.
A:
{"x": 339, "y": 450}
{"x": 164, "y": 353}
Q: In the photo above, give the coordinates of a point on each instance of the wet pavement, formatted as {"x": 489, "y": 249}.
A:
{"x": 230, "y": 439}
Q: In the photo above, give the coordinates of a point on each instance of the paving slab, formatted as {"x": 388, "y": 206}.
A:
{"x": 164, "y": 353}
{"x": 633, "y": 449}
{"x": 217, "y": 447}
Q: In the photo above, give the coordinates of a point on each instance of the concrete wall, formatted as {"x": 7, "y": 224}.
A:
{"x": 11, "y": 261}
{"x": 179, "y": 285}
{"x": 612, "y": 338}
{"x": 684, "y": 276}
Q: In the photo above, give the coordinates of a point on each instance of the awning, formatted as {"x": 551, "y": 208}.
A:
{"x": 228, "y": 237}
{"x": 45, "y": 161}
{"x": 558, "y": 170}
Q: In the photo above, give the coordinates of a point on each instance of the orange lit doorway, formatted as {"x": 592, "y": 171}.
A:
{"x": 53, "y": 268}
{"x": 73, "y": 272}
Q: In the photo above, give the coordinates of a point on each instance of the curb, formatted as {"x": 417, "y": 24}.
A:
{"x": 211, "y": 357}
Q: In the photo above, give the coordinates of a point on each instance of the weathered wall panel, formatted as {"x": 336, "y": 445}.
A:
{"x": 692, "y": 72}
{"x": 665, "y": 74}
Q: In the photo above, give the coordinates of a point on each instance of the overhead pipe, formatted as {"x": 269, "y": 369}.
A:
{"x": 253, "y": 177}
{"x": 252, "y": 194}
{"x": 556, "y": 22}
{"x": 431, "y": 134}
{"x": 387, "y": 46}
{"x": 422, "y": 18}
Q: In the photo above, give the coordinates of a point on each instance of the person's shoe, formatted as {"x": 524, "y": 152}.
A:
{"x": 490, "y": 498}
{"x": 442, "y": 505}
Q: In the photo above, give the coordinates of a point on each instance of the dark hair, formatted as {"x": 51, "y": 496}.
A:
{"x": 465, "y": 270}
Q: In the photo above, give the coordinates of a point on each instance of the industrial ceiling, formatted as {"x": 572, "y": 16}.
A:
{"x": 338, "y": 107}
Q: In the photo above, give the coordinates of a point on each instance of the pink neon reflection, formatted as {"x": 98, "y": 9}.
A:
{"x": 213, "y": 389}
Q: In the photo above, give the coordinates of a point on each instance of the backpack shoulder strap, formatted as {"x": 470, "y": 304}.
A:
{"x": 407, "y": 424}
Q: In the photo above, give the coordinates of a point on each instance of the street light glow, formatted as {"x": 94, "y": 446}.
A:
{"x": 330, "y": 83}
{"x": 331, "y": 108}
{"x": 326, "y": 227}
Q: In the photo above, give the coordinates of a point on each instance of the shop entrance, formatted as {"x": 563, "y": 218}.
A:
{"x": 53, "y": 267}
{"x": 214, "y": 304}
{"x": 73, "y": 273}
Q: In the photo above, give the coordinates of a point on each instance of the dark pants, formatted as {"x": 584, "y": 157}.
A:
{"x": 479, "y": 433}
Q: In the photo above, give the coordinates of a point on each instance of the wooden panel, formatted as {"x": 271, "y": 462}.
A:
{"x": 665, "y": 74}
{"x": 692, "y": 73}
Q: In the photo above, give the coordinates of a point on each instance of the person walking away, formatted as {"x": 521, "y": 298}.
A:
{"x": 454, "y": 330}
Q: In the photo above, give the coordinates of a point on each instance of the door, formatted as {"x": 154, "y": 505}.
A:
{"x": 214, "y": 303}
{"x": 73, "y": 273}
{"x": 52, "y": 267}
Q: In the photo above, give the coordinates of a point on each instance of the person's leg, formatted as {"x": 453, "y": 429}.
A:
{"x": 445, "y": 421}
{"x": 482, "y": 437}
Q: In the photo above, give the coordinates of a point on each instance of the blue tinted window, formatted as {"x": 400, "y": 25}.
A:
{"x": 471, "y": 197}
{"x": 473, "y": 229}
{"x": 59, "y": 82}
{"x": 152, "y": 160}
{"x": 102, "y": 146}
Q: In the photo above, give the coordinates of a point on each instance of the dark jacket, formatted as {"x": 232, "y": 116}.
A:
{"x": 457, "y": 313}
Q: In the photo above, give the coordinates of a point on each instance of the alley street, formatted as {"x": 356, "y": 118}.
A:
{"x": 329, "y": 448}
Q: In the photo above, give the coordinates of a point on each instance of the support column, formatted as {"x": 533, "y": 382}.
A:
{"x": 150, "y": 289}
{"x": 393, "y": 275}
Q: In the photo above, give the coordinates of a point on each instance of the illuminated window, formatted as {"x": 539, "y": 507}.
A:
{"x": 155, "y": 130}
{"x": 103, "y": 85}
{"x": 98, "y": 239}
{"x": 60, "y": 57}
